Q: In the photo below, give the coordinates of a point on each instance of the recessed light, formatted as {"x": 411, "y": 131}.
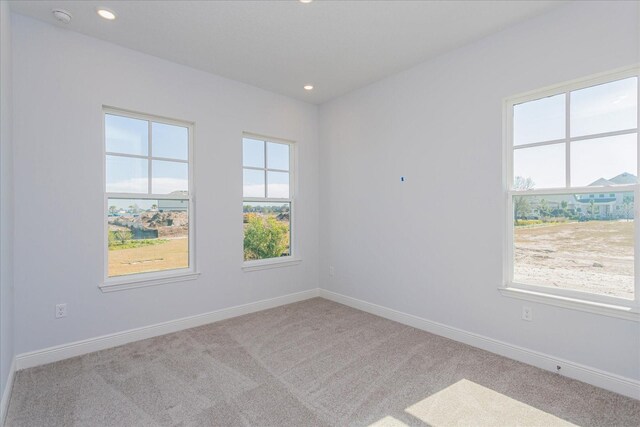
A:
{"x": 107, "y": 14}
{"x": 305, "y": 1}
{"x": 308, "y": 87}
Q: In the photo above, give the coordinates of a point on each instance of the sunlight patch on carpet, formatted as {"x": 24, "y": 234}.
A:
{"x": 388, "y": 421}
{"x": 470, "y": 404}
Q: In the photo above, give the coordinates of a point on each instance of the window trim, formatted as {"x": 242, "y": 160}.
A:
{"x": 137, "y": 280}
{"x": 567, "y": 298}
{"x": 294, "y": 257}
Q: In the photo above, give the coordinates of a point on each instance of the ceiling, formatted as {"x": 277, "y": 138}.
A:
{"x": 337, "y": 46}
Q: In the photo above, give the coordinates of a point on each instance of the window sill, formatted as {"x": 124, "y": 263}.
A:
{"x": 122, "y": 284}
{"x": 618, "y": 311}
{"x": 269, "y": 263}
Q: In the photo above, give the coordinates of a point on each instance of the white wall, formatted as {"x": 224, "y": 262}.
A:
{"x": 61, "y": 81}
{"x": 432, "y": 246}
{"x": 6, "y": 201}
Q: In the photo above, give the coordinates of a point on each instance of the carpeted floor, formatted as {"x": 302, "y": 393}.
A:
{"x": 313, "y": 363}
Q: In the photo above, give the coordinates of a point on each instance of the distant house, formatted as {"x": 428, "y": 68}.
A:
{"x": 605, "y": 203}
{"x": 165, "y": 205}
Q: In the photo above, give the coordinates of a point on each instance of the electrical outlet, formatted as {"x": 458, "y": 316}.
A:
{"x": 332, "y": 270}
{"x": 527, "y": 313}
{"x": 61, "y": 310}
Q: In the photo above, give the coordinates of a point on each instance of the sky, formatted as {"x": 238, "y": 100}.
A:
{"x": 598, "y": 109}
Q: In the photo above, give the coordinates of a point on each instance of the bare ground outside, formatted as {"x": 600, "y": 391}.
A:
{"x": 172, "y": 254}
{"x": 592, "y": 256}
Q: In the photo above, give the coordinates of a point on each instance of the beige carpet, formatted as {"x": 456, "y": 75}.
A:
{"x": 313, "y": 363}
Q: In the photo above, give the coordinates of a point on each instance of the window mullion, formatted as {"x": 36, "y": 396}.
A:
{"x": 266, "y": 175}
{"x": 150, "y": 163}
{"x": 567, "y": 130}
{"x": 636, "y": 208}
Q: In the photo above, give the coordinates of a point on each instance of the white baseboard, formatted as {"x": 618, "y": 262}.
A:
{"x": 6, "y": 393}
{"x": 616, "y": 383}
{"x": 78, "y": 348}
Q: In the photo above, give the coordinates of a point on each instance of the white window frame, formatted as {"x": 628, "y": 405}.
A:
{"x": 293, "y": 257}
{"x": 138, "y": 280}
{"x": 568, "y": 298}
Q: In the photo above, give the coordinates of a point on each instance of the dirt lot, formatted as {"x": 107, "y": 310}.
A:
{"x": 172, "y": 254}
{"x": 577, "y": 255}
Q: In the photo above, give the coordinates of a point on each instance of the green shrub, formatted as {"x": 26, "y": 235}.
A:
{"x": 523, "y": 222}
{"x": 532, "y": 222}
{"x": 123, "y": 239}
{"x": 119, "y": 237}
{"x": 265, "y": 237}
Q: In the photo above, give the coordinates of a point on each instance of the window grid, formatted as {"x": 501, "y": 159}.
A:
{"x": 567, "y": 140}
{"x": 567, "y": 89}
{"x": 159, "y": 275}
{"x": 266, "y": 198}
{"x": 149, "y": 158}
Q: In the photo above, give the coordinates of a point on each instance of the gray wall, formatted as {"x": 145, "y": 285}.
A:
{"x": 61, "y": 81}
{"x": 413, "y": 246}
{"x": 6, "y": 201}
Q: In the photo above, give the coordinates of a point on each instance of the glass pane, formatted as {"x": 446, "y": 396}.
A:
{"x": 605, "y": 108}
{"x": 253, "y": 185}
{"x": 168, "y": 141}
{"x": 267, "y": 231}
{"x": 604, "y": 161}
{"x": 539, "y": 120}
{"x": 147, "y": 235}
{"x": 278, "y": 184}
{"x": 252, "y": 153}
{"x": 277, "y": 156}
{"x": 583, "y": 242}
{"x": 169, "y": 177}
{"x": 127, "y": 175}
{"x": 126, "y": 135}
{"x": 539, "y": 167}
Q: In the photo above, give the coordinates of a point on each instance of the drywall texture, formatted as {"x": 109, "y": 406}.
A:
{"x": 61, "y": 81}
{"x": 6, "y": 201}
{"x": 432, "y": 245}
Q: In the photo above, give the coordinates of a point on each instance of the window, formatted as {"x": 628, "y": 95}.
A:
{"x": 148, "y": 197}
{"x": 564, "y": 241}
{"x": 268, "y": 204}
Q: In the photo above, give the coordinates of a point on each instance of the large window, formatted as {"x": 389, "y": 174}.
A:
{"x": 572, "y": 167}
{"x": 148, "y": 197}
{"x": 268, "y": 210}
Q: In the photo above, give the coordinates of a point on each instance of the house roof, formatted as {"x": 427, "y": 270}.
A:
{"x": 601, "y": 183}
{"x": 623, "y": 178}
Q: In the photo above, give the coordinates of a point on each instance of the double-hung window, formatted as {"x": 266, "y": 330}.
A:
{"x": 572, "y": 181}
{"x": 268, "y": 202}
{"x": 148, "y": 198}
